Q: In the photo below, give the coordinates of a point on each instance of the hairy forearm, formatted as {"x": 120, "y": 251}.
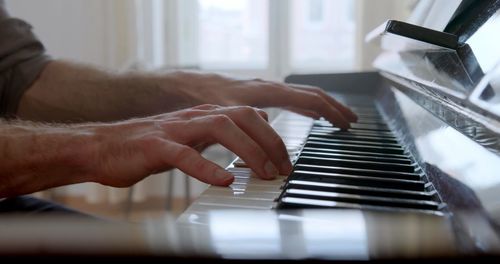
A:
{"x": 36, "y": 157}
{"x": 68, "y": 92}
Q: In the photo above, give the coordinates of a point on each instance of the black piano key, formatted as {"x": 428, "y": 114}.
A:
{"x": 385, "y": 166}
{"x": 354, "y": 147}
{"x": 366, "y": 107}
{"x": 362, "y": 120}
{"x": 356, "y": 142}
{"x": 361, "y": 199}
{"x": 361, "y": 172}
{"x": 301, "y": 203}
{"x": 361, "y": 157}
{"x": 368, "y": 113}
{"x": 358, "y": 126}
{"x": 356, "y": 180}
{"x": 379, "y": 120}
{"x": 370, "y": 116}
{"x": 360, "y": 190}
{"x": 352, "y": 152}
{"x": 379, "y": 134}
{"x": 348, "y": 136}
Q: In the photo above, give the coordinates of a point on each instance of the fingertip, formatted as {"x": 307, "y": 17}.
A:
{"x": 353, "y": 117}
{"x": 286, "y": 167}
{"x": 342, "y": 124}
{"x": 263, "y": 114}
{"x": 270, "y": 171}
{"x": 228, "y": 181}
{"x": 223, "y": 178}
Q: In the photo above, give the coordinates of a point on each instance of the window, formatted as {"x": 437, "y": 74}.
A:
{"x": 260, "y": 38}
{"x": 323, "y": 35}
{"x": 316, "y": 9}
{"x": 263, "y": 38}
{"x": 233, "y": 33}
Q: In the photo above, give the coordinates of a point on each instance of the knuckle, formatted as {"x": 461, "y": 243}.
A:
{"x": 263, "y": 114}
{"x": 280, "y": 86}
{"x": 315, "y": 101}
{"x": 206, "y": 106}
{"x": 182, "y": 154}
{"x": 190, "y": 113}
{"x": 202, "y": 166}
{"x": 220, "y": 120}
{"x": 151, "y": 141}
{"x": 247, "y": 110}
{"x": 316, "y": 89}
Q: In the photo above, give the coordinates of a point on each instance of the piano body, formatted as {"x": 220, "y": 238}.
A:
{"x": 417, "y": 176}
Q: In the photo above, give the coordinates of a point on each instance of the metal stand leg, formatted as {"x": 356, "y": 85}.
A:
{"x": 187, "y": 190}
{"x": 170, "y": 189}
{"x": 129, "y": 202}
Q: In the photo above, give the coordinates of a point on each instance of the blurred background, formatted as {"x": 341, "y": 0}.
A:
{"x": 249, "y": 38}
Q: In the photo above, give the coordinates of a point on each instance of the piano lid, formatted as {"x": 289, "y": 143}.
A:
{"x": 449, "y": 69}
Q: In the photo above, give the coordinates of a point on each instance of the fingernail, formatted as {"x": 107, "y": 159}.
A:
{"x": 286, "y": 167}
{"x": 353, "y": 118}
{"x": 271, "y": 170}
{"x": 345, "y": 127}
{"x": 224, "y": 176}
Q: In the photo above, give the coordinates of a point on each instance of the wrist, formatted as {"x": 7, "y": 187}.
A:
{"x": 82, "y": 152}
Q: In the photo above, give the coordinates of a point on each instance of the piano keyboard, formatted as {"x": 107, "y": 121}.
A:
{"x": 364, "y": 168}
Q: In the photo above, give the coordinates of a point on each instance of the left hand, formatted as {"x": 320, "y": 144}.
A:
{"x": 311, "y": 101}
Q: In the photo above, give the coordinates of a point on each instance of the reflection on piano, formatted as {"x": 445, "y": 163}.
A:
{"x": 426, "y": 149}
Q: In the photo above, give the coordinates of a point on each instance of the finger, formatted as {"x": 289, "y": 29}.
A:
{"x": 222, "y": 129}
{"x": 348, "y": 113}
{"x": 263, "y": 114}
{"x": 254, "y": 125}
{"x": 310, "y": 114}
{"x": 206, "y": 107}
{"x": 192, "y": 163}
{"x": 313, "y": 102}
{"x": 202, "y": 146}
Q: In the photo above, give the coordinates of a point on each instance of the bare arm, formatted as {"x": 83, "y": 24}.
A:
{"x": 36, "y": 156}
{"x": 67, "y": 92}
{"x": 70, "y": 92}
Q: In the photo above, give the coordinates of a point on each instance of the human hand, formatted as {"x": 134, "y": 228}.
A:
{"x": 307, "y": 100}
{"x": 130, "y": 150}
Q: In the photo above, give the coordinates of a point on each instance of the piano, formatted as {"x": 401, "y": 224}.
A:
{"x": 418, "y": 176}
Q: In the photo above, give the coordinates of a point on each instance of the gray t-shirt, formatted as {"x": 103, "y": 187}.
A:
{"x": 22, "y": 58}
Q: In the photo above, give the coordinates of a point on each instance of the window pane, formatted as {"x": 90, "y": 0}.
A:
{"x": 233, "y": 33}
{"x": 323, "y": 35}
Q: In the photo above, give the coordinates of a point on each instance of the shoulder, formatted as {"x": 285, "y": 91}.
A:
{"x": 3, "y": 10}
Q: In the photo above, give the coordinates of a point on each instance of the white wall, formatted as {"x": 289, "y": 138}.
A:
{"x": 372, "y": 14}
{"x": 90, "y": 31}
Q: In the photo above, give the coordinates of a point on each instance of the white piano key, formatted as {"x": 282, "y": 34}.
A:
{"x": 242, "y": 195}
{"x": 233, "y": 202}
{"x": 252, "y": 188}
{"x": 256, "y": 181}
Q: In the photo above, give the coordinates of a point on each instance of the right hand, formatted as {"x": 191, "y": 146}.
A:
{"x": 128, "y": 151}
